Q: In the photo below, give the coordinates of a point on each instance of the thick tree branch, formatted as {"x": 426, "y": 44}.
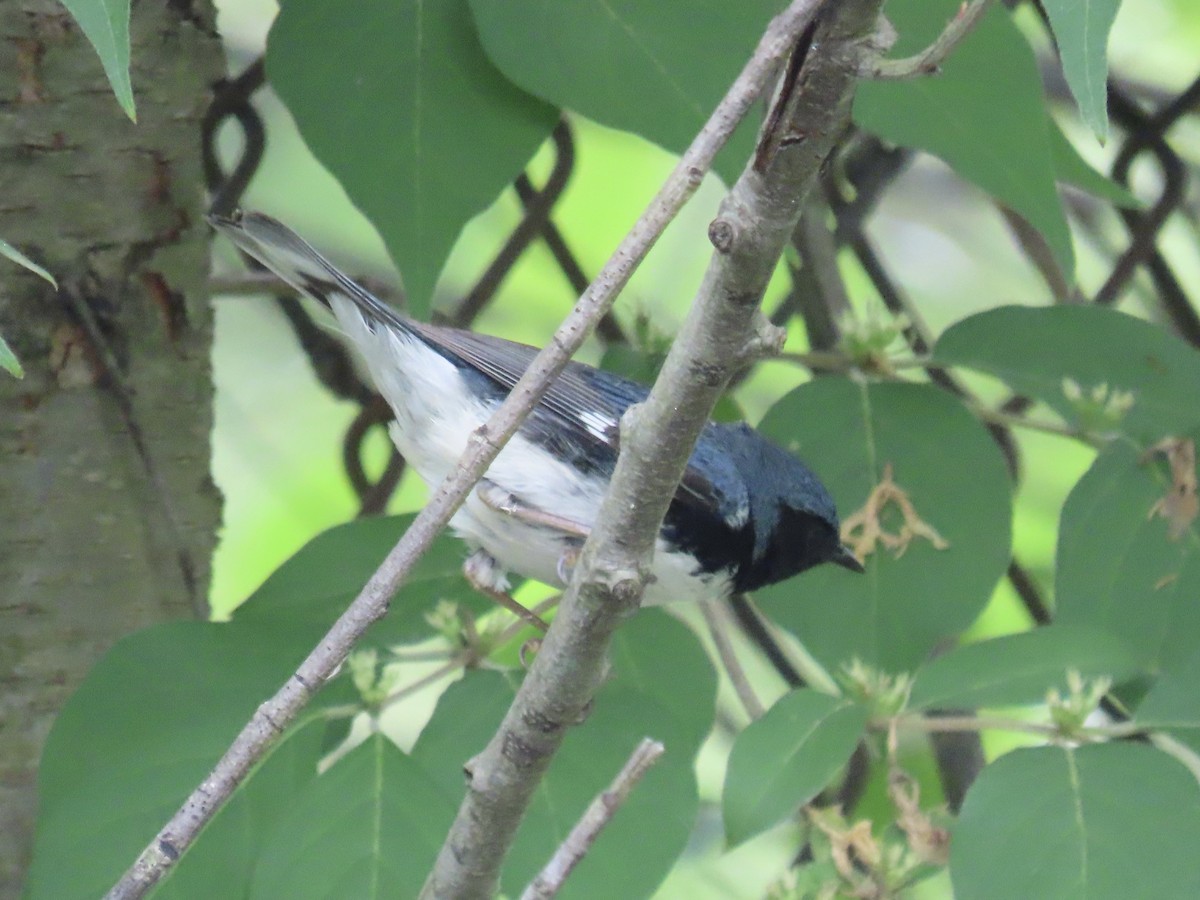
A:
{"x": 723, "y": 329}
{"x": 273, "y": 717}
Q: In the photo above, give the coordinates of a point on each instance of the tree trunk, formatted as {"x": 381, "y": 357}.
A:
{"x": 108, "y": 515}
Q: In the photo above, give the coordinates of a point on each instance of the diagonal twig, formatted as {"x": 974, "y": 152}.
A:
{"x": 571, "y": 851}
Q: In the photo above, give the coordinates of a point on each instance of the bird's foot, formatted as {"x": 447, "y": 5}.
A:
{"x": 485, "y": 575}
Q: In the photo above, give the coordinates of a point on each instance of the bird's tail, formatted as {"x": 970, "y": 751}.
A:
{"x": 295, "y": 261}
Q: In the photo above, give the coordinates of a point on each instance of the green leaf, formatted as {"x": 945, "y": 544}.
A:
{"x": 9, "y": 361}
{"x": 371, "y": 826}
{"x": 8, "y": 250}
{"x": 991, "y": 131}
{"x": 785, "y": 758}
{"x": 1071, "y": 168}
{"x": 1018, "y": 668}
{"x": 1081, "y": 30}
{"x": 222, "y": 861}
{"x": 106, "y": 25}
{"x": 399, "y": 102}
{"x": 955, "y": 477}
{"x": 1033, "y": 349}
{"x": 1173, "y": 704}
{"x": 315, "y": 585}
{"x": 154, "y": 715}
{"x": 656, "y": 69}
{"x": 1118, "y": 568}
{"x": 662, "y": 685}
{"x": 1102, "y": 821}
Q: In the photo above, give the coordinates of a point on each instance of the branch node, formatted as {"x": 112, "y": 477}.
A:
{"x": 722, "y": 234}
{"x": 767, "y": 340}
{"x": 627, "y": 591}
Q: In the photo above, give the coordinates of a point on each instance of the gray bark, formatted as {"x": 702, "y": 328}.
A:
{"x": 108, "y": 515}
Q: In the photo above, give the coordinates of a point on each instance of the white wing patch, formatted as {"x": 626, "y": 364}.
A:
{"x": 597, "y": 423}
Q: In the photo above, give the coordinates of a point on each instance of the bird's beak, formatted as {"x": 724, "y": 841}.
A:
{"x": 845, "y": 558}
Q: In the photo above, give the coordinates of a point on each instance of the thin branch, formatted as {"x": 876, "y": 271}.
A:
{"x": 594, "y": 820}
{"x": 122, "y": 393}
{"x": 273, "y": 717}
{"x": 821, "y": 297}
{"x": 934, "y": 724}
{"x": 444, "y": 670}
{"x": 249, "y": 284}
{"x": 757, "y": 628}
{"x": 715, "y": 617}
{"x": 723, "y": 331}
{"x": 1008, "y": 420}
{"x": 1029, "y": 593}
{"x": 929, "y": 60}
{"x": 1178, "y": 749}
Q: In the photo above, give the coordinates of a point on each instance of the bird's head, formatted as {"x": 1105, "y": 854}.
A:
{"x": 794, "y": 519}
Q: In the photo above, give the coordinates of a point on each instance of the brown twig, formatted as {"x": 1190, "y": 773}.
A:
{"x": 715, "y": 617}
{"x": 929, "y": 60}
{"x": 594, "y": 820}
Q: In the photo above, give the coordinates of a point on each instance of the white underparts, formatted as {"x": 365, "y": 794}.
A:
{"x": 436, "y": 414}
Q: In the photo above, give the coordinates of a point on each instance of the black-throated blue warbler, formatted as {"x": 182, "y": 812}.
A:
{"x": 747, "y": 514}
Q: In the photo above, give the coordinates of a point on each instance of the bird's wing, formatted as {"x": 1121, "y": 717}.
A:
{"x": 583, "y": 410}
{"x": 579, "y": 416}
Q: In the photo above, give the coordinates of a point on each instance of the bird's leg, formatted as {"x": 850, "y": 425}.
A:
{"x": 485, "y": 575}
{"x": 502, "y": 501}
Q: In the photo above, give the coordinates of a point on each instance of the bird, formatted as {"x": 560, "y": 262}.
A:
{"x": 746, "y": 513}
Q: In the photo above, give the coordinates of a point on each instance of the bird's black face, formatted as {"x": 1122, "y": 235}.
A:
{"x": 799, "y": 541}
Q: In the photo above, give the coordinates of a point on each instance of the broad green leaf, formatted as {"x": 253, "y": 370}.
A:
{"x": 1118, "y": 567}
{"x": 1102, "y": 821}
{"x": 222, "y": 860}
{"x": 785, "y": 758}
{"x": 1071, "y": 168}
{"x": 656, "y": 69}
{"x": 9, "y": 361}
{"x": 1033, "y": 349}
{"x": 1081, "y": 30}
{"x": 662, "y": 686}
{"x": 316, "y": 584}
{"x": 371, "y": 826}
{"x": 106, "y": 25}
{"x": 990, "y": 130}
{"x": 1173, "y": 704}
{"x": 953, "y": 474}
{"x": 144, "y": 728}
{"x": 399, "y": 102}
{"x": 1018, "y": 668}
